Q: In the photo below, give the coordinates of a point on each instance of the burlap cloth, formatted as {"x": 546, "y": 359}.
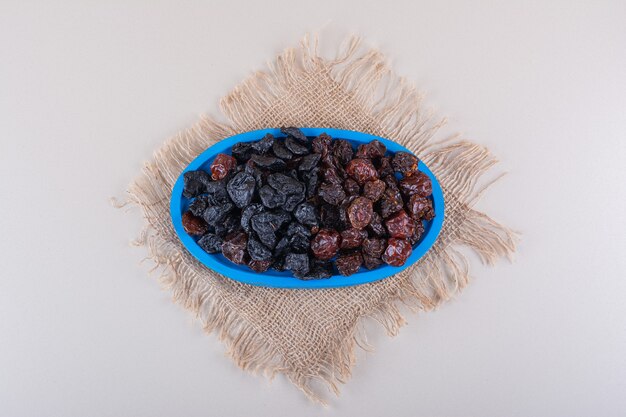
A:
{"x": 310, "y": 335}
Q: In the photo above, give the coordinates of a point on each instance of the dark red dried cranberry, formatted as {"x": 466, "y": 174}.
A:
{"x": 351, "y": 187}
{"x": 376, "y": 227}
{"x": 234, "y": 248}
{"x": 374, "y": 149}
{"x": 352, "y": 238}
{"x": 342, "y": 150}
{"x": 417, "y": 232}
{"x": 374, "y": 189}
{"x": 370, "y": 262}
{"x": 418, "y": 183}
{"x": 194, "y": 225}
{"x": 332, "y": 193}
{"x": 390, "y": 203}
{"x": 374, "y": 246}
{"x": 325, "y": 244}
{"x": 360, "y": 212}
{"x": 405, "y": 163}
{"x": 259, "y": 266}
{"x": 349, "y": 263}
{"x": 400, "y": 225}
{"x": 321, "y": 144}
{"x": 421, "y": 207}
{"x": 222, "y": 165}
{"x": 362, "y": 170}
{"x": 397, "y": 252}
{"x": 384, "y": 167}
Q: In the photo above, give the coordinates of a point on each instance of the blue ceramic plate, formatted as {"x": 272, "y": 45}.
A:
{"x": 273, "y": 278}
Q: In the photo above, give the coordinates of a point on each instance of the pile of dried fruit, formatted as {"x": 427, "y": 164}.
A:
{"x": 304, "y": 205}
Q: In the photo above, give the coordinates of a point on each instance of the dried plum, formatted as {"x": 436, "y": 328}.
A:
{"x": 332, "y": 193}
{"x": 374, "y": 149}
{"x": 295, "y": 147}
{"x": 349, "y": 263}
{"x": 258, "y": 251}
{"x": 362, "y": 170}
{"x": 231, "y": 223}
{"x": 198, "y": 205}
{"x": 247, "y": 213}
{"x": 194, "y": 225}
{"x": 216, "y": 193}
{"x": 295, "y": 133}
{"x": 242, "y": 151}
{"x": 390, "y": 203}
{"x": 351, "y": 187}
{"x": 419, "y": 184}
{"x": 269, "y": 162}
{"x": 404, "y": 162}
{"x": 360, "y": 212}
{"x": 241, "y": 189}
{"x": 325, "y": 244}
{"x": 194, "y": 183}
{"x": 259, "y": 266}
{"x": 264, "y": 145}
{"x": 265, "y": 225}
{"x": 299, "y": 243}
{"x": 271, "y": 198}
{"x": 222, "y": 165}
{"x": 374, "y": 246}
{"x": 374, "y": 189}
{"x": 281, "y": 151}
{"x": 321, "y": 144}
{"x": 234, "y": 248}
{"x": 306, "y": 214}
{"x": 309, "y": 162}
{"x": 319, "y": 270}
{"x": 216, "y": 214}
{"x": 329, "y": 216}
{"x": 370, "y": 262}
{"x": 376, "y": 227}
{"x": 298, "y": 263}
{"x": 352, "y": 238}
{"x": 397, "y": 252}
{"x": 342, "y": 150}
{"x": 210, "y": 243}
{"x": 421, "y": 207}
{"x": 400, "y": 225}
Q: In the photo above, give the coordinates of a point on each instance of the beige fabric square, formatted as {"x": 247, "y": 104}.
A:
{"x": 311, "y": 335}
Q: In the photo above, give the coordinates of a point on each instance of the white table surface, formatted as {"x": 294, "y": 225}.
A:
{"x": 88, "y": 91}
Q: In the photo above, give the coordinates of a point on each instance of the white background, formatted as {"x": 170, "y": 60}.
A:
{"x": 89, "y": 89}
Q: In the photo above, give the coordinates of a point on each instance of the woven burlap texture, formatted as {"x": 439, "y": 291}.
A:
{"x": 310, "y": 335}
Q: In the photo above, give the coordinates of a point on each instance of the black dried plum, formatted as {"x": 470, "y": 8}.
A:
{"x": 295, "y": 147}
{"x": 281, "y": 151}
{"x": 390, "y": 203}
{"x": 195, "y": 183}
{"x": 241, "y": 189}
{"x": 264, "y": 145}
{"x": 306, "y": 214}
{"x": 298, "y": 263}
{"x": 198, "y": 205}
{"x": 216, "y": 193}
{"x": 258, "y": 251}
{"x": 271, "y": 198}
{"x": 296, "y": 228}
{"x": 285, "y": 184}
{"x": 329, "y": 216}
{"x": 376, "y": 227}
{"x": 331, "y": 193}
{"x": 242, "y": 151}
{"x": 247, "y": 213}
{"x": 216, "y": 214}
{"x": 265, "y": 225}
{"x": 309, "y": 162}
{"x": 299, "y": 243}
{"x": 210, "y": 243}
{"x": 319, "y": 270}
{"x": 269, "y": 162}
{"x": 281, "y": 247}
{"x": 295, "y": 133}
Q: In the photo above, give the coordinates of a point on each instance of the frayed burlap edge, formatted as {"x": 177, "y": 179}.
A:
{"x": 394, "y": 111}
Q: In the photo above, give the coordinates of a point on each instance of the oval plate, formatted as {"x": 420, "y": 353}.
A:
{"x": 273, "y": 278}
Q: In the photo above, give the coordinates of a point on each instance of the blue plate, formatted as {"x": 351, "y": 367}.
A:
{"x": 273, "y": 278}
